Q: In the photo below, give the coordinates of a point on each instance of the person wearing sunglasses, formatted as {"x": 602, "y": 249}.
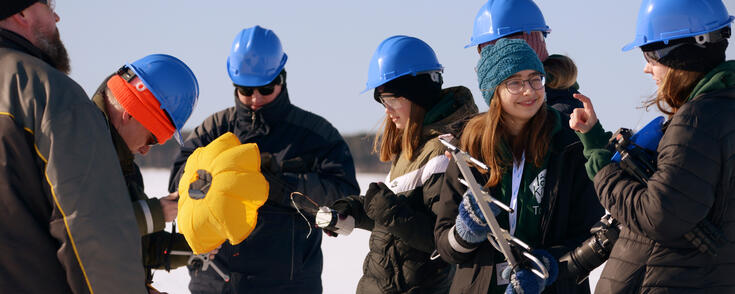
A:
{"x": 535, "y": 166}
{"x": 300, "y": 152}
{"x": 684, "y": 45}
{"x": 146, "y": 103}
{"x": 406, "y": 79}
{"x": 522, "y": 19}
{"x": 66, "y": 223}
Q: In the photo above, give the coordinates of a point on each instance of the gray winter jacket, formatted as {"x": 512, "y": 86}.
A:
{"x": 66, "y": 224}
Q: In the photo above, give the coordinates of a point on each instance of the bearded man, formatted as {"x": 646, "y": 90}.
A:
{"x": 66, "y": 223}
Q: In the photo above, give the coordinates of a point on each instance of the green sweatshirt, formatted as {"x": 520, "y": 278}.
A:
{"x": 530, "y": 194}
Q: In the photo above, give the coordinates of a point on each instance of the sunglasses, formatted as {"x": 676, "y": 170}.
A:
{"x": 263, "y": 90}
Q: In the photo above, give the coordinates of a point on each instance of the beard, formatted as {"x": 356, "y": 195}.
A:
{"x": 51, "y": 45}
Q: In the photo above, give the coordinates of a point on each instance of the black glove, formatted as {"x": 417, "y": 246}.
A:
{"x": 352, "y": 206}
{"x": 379, "y": 200}
{"x": 279, "y": 189}
{"x": 342, "y": 206}
{"x": 298, "y": 165}
{"x": 270, "y": 164}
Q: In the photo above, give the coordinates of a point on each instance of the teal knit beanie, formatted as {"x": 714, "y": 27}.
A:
{"x": 502, "y": 60}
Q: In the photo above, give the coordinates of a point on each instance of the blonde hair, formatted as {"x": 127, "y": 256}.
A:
{"x": 561, "y": 72}
{"x": 484, "y": 135}
{"x": 391, "y": 141}
{"x": 111, "y": 100}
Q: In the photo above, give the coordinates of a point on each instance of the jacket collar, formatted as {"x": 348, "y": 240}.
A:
{"x": 267, "y": 114}
{"x": 124, "y": 154}
{"x": 719, "y": 78}
{"x": 10, "y": 39}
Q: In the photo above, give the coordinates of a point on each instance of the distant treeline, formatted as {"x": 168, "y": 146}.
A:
{"x": 361, "y": 146}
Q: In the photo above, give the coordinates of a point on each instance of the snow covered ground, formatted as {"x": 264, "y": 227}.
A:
{"x": 343, "y": 256}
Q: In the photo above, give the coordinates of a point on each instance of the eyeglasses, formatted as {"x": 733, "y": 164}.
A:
{"x": 263, "y": 90}
{"x": 391, "y": 101}
{"x": 50, "y": 3}
{"x": 515, "y": 86}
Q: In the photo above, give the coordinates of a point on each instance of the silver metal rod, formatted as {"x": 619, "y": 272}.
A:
{"x": 497, "y": 231}
{"x": 498, "y": 237}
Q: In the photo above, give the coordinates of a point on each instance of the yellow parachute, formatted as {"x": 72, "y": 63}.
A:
{"x": 220, "y": 193}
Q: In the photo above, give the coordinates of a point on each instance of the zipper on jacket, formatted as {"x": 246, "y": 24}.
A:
{"x": 546, "y": 221}
{"x": 252, "y": 119}
{"x": 293, "y": 236}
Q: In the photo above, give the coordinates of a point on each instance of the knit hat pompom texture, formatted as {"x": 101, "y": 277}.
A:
{"x": 502, "y": 60}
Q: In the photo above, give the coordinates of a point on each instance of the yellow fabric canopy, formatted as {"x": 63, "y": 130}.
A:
{"x": 220, "y": 193}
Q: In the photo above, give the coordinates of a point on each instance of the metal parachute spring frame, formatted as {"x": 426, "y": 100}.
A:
{"x": 515, "y": 251}
{"x": 300, "y": 206}
{"x": 205, "y": 261}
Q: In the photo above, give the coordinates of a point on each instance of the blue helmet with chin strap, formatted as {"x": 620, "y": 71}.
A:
{"x": 666, "y": 20}
{"x": 500, "y": 18}
{"x": 256, "y": 57}
{"x": 398, "y": 56}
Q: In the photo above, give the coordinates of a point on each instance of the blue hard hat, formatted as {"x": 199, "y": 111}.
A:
{"x": 172, "y": 83}
{"x": 666, "y": 20}
{"x": 256, "y": 57}
{"x": 500, "y": 18}
{"x": 398, "y": 56}
{"x": 647, "y": 137}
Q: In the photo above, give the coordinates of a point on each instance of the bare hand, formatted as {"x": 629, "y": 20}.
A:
{"x": 213, "y": 253}
{"x": 583, "y": 119}
{"x": 170, "y": 206}
{"x": 173, "y": 196}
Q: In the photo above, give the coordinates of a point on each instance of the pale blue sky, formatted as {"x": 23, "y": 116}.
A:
{"x": 329, "y": 44}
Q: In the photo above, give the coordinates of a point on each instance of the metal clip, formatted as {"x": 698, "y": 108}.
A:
{"x": 126, "y": 73}
{"x": 204, "y": 259}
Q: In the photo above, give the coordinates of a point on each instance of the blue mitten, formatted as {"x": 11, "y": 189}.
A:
{"x": 523, "y": 281}
{"x": 471, "y": 225}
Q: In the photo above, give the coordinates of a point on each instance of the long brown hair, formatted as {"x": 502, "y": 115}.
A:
{"x": 484, "y": 137}
{"x": 674, "y": 91}
{"x": 391, "y": 141}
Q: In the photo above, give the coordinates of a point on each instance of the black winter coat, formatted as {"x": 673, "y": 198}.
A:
{"x": 695, "y": 180}
{"x": 562, "y": 99}
{"x": 277, "y": 257}
{"x": 569, "y": 208}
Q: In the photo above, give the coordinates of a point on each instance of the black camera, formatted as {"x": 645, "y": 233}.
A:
{"x": 635, "y": 160}
{"x": 593, "y": 252}
{"x": 640, "y": 163}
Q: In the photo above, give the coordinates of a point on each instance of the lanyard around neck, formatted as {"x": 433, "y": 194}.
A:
{"x": 516, "y": 184}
